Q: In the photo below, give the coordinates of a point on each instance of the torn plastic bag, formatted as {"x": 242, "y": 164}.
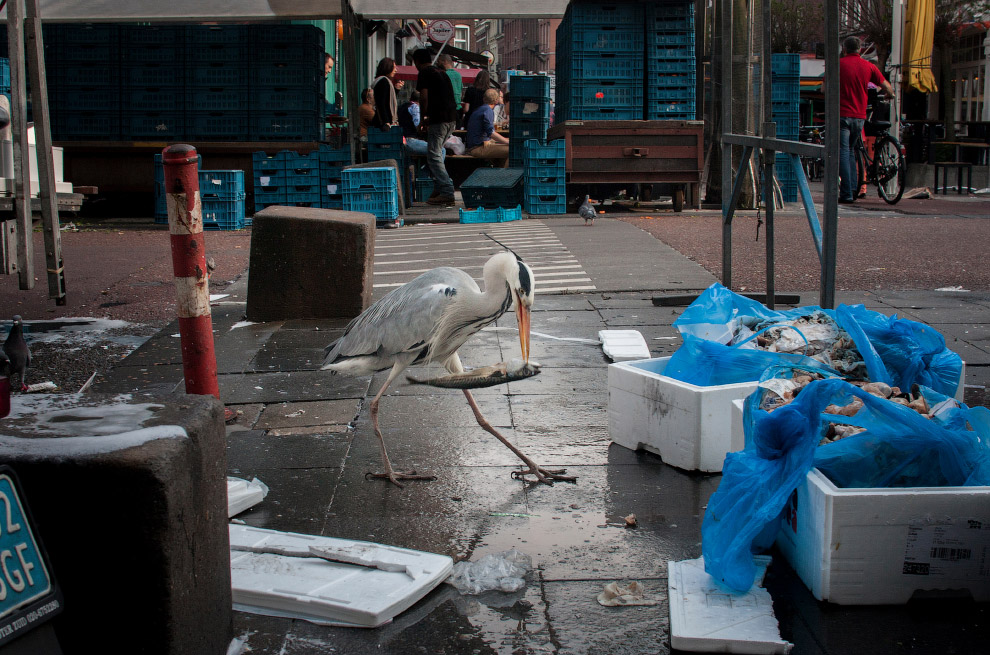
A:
{"x": 502, "y": 571}
{"x": 898, "y": 447}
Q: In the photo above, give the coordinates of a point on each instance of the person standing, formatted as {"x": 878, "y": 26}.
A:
{"x": 474, "y": 94}
{"x": 409, "y": 122}
{"x": 366, "y": 112}
{"x": 482, "y": 140}
{"x": 438, "y": 118}
{"x": 855, "y": 73}
{"x": 384, "y": 86}
{"x": 456, "y": 81}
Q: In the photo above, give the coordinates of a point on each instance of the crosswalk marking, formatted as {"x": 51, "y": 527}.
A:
{"x": 402, "y": 255}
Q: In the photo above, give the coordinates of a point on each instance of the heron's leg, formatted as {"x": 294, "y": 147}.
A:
{"x": 393, "y": 475}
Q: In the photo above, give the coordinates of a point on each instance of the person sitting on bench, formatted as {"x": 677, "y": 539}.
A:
{"x": 482, "y": 140}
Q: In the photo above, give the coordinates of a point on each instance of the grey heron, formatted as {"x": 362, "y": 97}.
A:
{"x": 427, "y": 320}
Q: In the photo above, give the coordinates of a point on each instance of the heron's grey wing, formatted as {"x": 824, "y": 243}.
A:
{"x": 403, "y": 320}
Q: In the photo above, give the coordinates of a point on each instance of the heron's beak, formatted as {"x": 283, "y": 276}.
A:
{"x": 522, "y": 318}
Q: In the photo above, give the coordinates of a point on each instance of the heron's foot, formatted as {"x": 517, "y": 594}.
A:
{"x": 546, "y": 476}
{"x": 395, "y": 476}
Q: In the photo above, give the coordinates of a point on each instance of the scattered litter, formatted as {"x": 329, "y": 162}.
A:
{"x": 218, "y": 296}
{"x": 242, "y": 495}
{"x": 524, "y": 516}
{"x": 594, "y": 342}
{"x": 240, "y": 324}
{"x": 985, "y": 191}
{"x": 495, "y": 571}
{"x": 296, "y": 413}
{"x": 176, "y": 335}
{"x": 310, "y": 583}
{"x": 706, "y": 617}
{"x": 41, "y": 386}
{"x": 632, "y": 594}
{"x": 88, "y": 383}
{"x": 260, "y": 388}
{"x": 664, "y": 338}
{"x": 958, "y": 289}
{"x": 631, "y": 521}
{"x": 622, "y": 345}
{"x": 919, "y": 193}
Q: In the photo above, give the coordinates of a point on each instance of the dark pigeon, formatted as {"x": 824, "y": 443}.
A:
{"x": 587, "y": 211}
{"x": 16, "y": 349}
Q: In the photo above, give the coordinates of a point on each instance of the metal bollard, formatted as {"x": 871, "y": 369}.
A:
{"x": 192, "y": 283}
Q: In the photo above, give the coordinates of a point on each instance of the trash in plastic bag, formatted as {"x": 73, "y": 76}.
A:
{"x": 948, "y": 445}
{"x": 501, "y": 571}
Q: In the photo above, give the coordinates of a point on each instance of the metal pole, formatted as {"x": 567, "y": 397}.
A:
{"x": 350, "y": 79}
{"x": 192, "y": 282}
{"x": 896, "y": 64}
{"x": 43, "y": 147}
{"x": 18, "y": 124}
{"x": 831, "y": 202}
{"x": 725, "y": 20}
{"x": 769, "y": 132}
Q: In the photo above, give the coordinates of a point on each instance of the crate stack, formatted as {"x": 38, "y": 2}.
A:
{"x": 785, "y": 105}
{"x": 389, "y": 145}
{"x": 152, "y": 60}
{"x": 84, "y": 85}
{"x": 600, "y": 58}
{"x": 287, "y": 84}
{"x": 372, "y": 190}
{"x": 269, "y": 179}
{"x": 5, "y": 77}
{"x": 302, "y": 180}
{"x": 544, "y": 188}
{"x": 332, "y": 162}
{"x": 218, "y": 96}
{"x": 529, "y": 112}
{"x": 222, "y": 196}
{"x": 670, "y": 61}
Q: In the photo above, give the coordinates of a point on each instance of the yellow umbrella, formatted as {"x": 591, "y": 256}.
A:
{"x": 919, "y": 36}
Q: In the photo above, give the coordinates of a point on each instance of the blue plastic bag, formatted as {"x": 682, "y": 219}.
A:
{"x": 898, "y": 447}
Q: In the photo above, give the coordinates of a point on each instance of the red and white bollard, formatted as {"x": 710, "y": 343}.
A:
{"x": 192, "y": 282}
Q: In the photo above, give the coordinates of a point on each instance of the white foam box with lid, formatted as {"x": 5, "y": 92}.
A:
{"x": 688, "y": 425}
{"x": 882, "y": 546}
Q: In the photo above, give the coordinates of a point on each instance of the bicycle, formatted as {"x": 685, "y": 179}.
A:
{"x": 886, "y": 168}
{"x": 814, "y": 167}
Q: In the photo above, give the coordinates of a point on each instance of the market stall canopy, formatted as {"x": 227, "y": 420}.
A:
{"x": 410, "y": 73}
{"x": 185, "y": 11}
{"x": 919, "y": 38}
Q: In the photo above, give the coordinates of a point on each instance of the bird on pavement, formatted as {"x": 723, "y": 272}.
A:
{"x": 587, "y": 211}
{"x": 16, "y": 349}
{"x": 427, "y": 320}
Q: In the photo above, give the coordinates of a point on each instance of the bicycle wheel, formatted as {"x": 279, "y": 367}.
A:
{"x": 891, "y": 169}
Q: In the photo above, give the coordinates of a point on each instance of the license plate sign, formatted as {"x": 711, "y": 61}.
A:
{"x": 25, "y": 580}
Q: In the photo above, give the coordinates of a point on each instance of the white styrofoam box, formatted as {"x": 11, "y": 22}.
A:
{"x": 880, "y": 546}
{"x": 242, "y": 495}
{"x": 623, "y": 345}
{"x": 368, "y": 588}
{"x": 7, "y": 187}
{"x": 7, "y": 160}
{"x": 706, "y": 617}
{"x": 689, "y": 426}
{"x": 736, "y": 421}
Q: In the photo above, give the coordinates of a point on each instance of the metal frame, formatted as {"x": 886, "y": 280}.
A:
{"x": 825, "y": 235}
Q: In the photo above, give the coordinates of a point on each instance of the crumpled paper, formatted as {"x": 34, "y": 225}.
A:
{"x": 632, "y": 594}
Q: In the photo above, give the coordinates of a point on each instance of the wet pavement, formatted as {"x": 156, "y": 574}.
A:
{"x": 307, "y": 435}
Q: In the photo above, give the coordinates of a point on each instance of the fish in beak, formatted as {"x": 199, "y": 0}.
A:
{"x": 522, "y": 318}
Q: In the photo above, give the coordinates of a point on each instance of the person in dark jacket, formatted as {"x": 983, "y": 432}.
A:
{"x": 438, "y": 119}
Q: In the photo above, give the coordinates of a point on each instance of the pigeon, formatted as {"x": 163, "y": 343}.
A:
{"x": 16, "y": 349}
{"x": 587, "y": 211}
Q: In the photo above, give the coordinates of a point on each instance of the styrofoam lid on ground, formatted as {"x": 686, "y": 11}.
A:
{"x": 242, "y": 495}
{"x": 706, "y": 617}
{"x": 622, "y": 345}
{"x": 383, "y": 582}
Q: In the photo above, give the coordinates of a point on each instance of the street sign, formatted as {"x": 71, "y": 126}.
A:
{"x": 489, "y": 55}
{"x": 28, "y": 595}
{"x": 440, "y": 30}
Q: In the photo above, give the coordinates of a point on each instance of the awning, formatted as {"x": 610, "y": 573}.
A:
{"x": 919, "y": 38}
{"x": 409, "y": 73}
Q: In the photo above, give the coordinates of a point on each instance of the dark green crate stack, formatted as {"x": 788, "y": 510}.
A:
{"x": 626, "y": 61}
{"x": 785, "y": 105}
{"x": 493, "y": 187}
{"x": 288, "y": 178}
{"x": 165, "y": 82}
{"x": 529, "y": 113}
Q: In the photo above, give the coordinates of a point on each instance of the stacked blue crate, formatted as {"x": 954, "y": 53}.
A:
{"x": 529, "y": 112}
{"x": 371, "y": 190}
{"x": 785, "y": 102}
{"x": 390, "y": 145}
{"x": 217, "y": 95}
{"x": 152, "y": 110}
{"x": 269, "y": 179}
{"x": 5, "y": 77}
{"x": 600, "y": 62}
{"x": 84, "y": 82}
{"x": 222, "y": 195}
{"x": 670, "y": 61}
{"x": 287, "y": 85}
{"x": 332, "y": 162}
{"x": 161, "y": 208}
{"x": 544, "y": 188}
{"x": 302, "y": 180}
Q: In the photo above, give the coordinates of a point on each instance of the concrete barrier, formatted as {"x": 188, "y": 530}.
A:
{"x": 129, "y": 497}
{"x": 310, "y": 263}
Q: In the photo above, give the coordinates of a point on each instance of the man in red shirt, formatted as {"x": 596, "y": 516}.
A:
{"x": 854, "y": 74}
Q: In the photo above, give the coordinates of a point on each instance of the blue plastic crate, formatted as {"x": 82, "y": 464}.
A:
{"x": 684, "y": 107}
{"x": 288, "y": 52}
{"x": 536, "y": 152}
{"x": 537, "y": 183}
{"x": 5, "y": 72}
{"x": 332, "y": 201}
{"x": 546, "y": 203}
{"x": 268, "y": 196}
{"x": 682, "y": 66}
{"x": 84, "y": 98}
{"x": 333, "y": 157}
{"x": 216, "y": 34}
{"x": 302, "y": 193}
{"x": 147, "y": 75}
{"x": 286, "y": 126}
{"x": 330, "y": 172}
{"x": 136, "y": 36}
{"x": 222, "y": 184}
{"x": 605, "y": 65}
{"x": 424, "y": 187}
{"x": 223, "y": 214}
{"x": 529, "y": 86}
{"x": 579, "y": 112}
{"x": 302, "y": 176}
{"x": 671, "y": 24}
{"x": 671, "y": 94}
{"x": 670, "y": 39}
{"x": 382, "y": 179}
{"x": 218, "y": 98}
{"x": 173, "y": 54}
{"x": 88, "y": 33}
{"x": 786, "y": 64}
{"x": 153, "y": 99}
{"x": 89, "y": 53}
{"x": 496, "y": 215}
{"x": 654, "y": 52}
{"x": 521, "y": 108}
{"x": 605, "y": 93}
{"x": 207, "y": 53}
{"x": 604, "y": 13}
{"x": 521, "y": 129}
{"x": 217, "y": 125}
{"x": 219, "y": 75}
{"x": 286, "y": 75}
{"x": 156, "y": 126}
{"x": 384, "y": 204}
{"x": 670, "y": 9}
{"x": 282, "y": 33}
{"x": 273, "y": 98}
{"x": 268, "y": 165}
{"x": 493, "y": 187}
{"x": 607, "y": 38}
{"x": 670, "y": 81}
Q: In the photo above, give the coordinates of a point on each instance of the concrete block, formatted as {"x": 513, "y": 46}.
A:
{"x": 129, "y": 498}
{"x": 310, "y": 263}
